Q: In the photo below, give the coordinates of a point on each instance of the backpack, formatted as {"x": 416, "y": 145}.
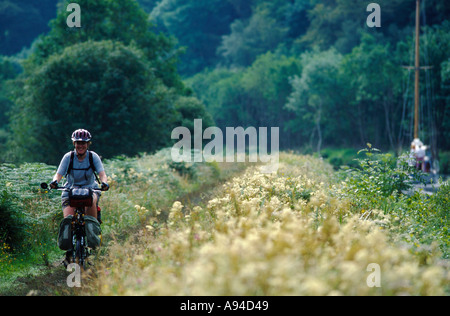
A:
{"x": 91, "y": 165}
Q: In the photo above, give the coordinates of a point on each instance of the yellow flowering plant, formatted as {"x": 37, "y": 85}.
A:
{"x": 293, "y": 232}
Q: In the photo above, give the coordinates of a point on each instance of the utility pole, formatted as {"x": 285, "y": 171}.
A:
{"x": 417, "y": 70}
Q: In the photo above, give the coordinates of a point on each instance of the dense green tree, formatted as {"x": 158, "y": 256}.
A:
{"x": 105, "y": 87}
{"x": 339, "y": 23}
{"x": 148, "y": 5}
{"x": 113, "y": 76}
{"x": 221, "y": 91}
{"x": 9, "y": 69}
{"x": 249, "y": 49}
{"x": 373, "y": 97}
{"x": 198, "y": 26}
{"x": 297, "y": 18}
{"x": 376, "y": 94}
{"x": 250, "y": 38}
{"x": 266, "y": 88}
{"x": 190, "y": 108}
{"x": 123, "y": 21}
{"x": 22, "y": 21}
{"x": 315, "y": 96}
{"x": 435, "y": 87}
{"x": 254, "y": 96}
{"x": 435, "y": 11}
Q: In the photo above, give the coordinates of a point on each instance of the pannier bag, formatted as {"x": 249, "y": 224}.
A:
{"x": 93, "y": 231}
{"x": 81, "y": 197}
{"x": 65, "y": 234}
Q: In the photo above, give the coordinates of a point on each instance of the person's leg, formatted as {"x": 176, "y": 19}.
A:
{"x": 92, "y": 211}
{"x": 67, "y": 209}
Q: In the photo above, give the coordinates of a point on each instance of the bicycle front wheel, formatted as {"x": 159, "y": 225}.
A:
{"x": 80, "y": 254}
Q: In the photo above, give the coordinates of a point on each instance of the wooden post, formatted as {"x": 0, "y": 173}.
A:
{"x": 417, "y": 70}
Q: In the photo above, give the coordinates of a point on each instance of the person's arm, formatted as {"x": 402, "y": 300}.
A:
{"x": 103, "y": 177}
{"x": 58, "y": 176}
{"x": 101, "y": 171}
{"x": 104, "y": 180}
{"x": 56, "y": 179}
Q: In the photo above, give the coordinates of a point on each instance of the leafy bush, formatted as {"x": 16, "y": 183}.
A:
{"x": 12, "y": 224}
{"x": 340, "y": 157}
{"x": 184, "y": 169}
{"x": 379, "y": 177}
{"x": 439, "y": 222}
{"x": 383, "y": 182}
{"x": 108, "y": 88}
{"x": 28, "y": 218}
{"x": 441, "y": 200}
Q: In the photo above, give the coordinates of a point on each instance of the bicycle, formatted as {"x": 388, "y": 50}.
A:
{"x": 80, "y": 198}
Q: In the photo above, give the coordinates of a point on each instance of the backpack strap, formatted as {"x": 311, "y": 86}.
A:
{"x": 69, "y": 169}
{"x": 91, "y": 165}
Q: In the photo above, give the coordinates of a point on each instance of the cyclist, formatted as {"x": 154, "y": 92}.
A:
{"x": 78, "y": 166}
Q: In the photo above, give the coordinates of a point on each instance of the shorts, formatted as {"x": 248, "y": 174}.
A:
{"x": 65, "y": 199}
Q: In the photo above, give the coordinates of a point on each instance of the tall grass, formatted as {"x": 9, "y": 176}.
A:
{"x": 153, "y": 182}
{"x": 28, "y": 222}
{"x": 296, "y": 232}
{"x": 304, "y": 230}
{"x": 30, "y": 217}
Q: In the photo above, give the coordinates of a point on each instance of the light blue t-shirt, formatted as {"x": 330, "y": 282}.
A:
{"x": 80, "y": 175}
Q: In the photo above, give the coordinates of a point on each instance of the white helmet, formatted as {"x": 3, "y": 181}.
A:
{"x": 81, "y": 135}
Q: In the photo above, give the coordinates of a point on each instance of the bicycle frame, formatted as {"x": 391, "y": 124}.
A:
{"x": 79, "y": 247}
{"x": 80, "y": 250}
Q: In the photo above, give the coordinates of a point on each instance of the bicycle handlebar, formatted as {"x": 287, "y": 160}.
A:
{"x": 45, "y": 186}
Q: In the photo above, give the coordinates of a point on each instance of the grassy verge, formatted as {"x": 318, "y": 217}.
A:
{"x": 28, "y": 222}
{"x": 30, "y": 218}
{"x": 379, "y": 184}
{"x": 171, "y": 230}
{"x": 297, "y": 232}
